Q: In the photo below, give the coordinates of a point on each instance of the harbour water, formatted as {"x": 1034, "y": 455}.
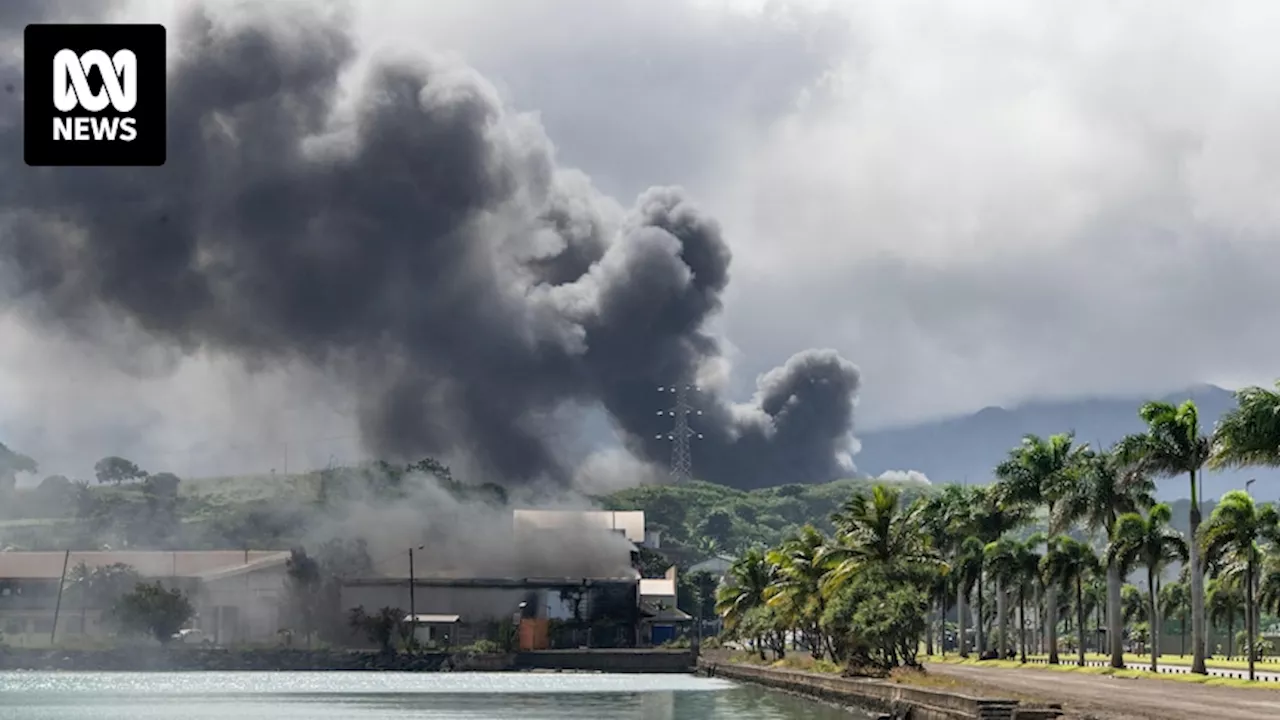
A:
{"x": 394, "y": 696}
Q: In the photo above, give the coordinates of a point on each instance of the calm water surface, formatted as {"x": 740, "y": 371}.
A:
{"x": 394, "y": 696}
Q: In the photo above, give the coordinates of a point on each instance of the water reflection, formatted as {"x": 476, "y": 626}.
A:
{"x": 391, "y": 696}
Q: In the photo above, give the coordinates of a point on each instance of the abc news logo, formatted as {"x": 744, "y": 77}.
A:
{"x": 94, "y": 95}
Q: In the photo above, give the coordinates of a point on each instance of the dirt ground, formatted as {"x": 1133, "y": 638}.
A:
{"x": 1100, "y": 697}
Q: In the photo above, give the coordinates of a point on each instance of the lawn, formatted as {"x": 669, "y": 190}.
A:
{"x": 1270, "y": 664}
{"x": 1128, "y": 673}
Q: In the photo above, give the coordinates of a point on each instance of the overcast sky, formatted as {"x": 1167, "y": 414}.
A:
{"x": 977, "y": 203}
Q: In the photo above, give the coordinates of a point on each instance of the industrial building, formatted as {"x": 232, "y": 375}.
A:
{"x": 236, "y": 594}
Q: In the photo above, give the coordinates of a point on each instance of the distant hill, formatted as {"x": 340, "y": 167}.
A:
{"x": 967, "y": 448}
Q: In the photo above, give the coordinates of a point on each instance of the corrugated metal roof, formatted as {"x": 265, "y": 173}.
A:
{"x": 148, "y": 563}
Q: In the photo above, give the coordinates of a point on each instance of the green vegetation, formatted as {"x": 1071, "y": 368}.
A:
{"x": 857, "y": 591}
{"x": 150, "y": 609}
{"x": 700, "y": 519}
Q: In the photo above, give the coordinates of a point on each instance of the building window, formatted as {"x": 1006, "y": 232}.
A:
{"x": 15, "y": 627}
{"x": 43, "y": 625}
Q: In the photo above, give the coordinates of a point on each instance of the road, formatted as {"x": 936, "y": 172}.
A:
{"x": 1102, "y": 696}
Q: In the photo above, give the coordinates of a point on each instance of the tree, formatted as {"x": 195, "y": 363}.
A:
{"x": 116, "y": 470}
{"x": 1249, "y": 434}
{"x": 101, "y": 586}
{"x": 303, "y": 589}
{"x": 743, "y": 590}
{"x": 1225, "y": 603}
{"x": 876, "y": 529}
{"x": 1070, "y": 562}
{"x": 1037, "y": 473}
{"x": 1234, "y": 530}
{"x": 381, "y": 628}
{"x": 994, "y": 513}
{"x": 967, "y": 568}
{"x": 12, "y": 463}
{"x": 1152, "y": 543}
{"x": 153, "y": 610}
{"x": 1175, "y": 602}
{"x": 1174, "y": 445}
{"x": 797, "y": 587}
{"x": 1105, "y": 490}
{"x": 718, "y": 525}
{"x": 1014, "y": 565}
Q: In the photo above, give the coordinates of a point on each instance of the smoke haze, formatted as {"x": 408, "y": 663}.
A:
{"x": 408, "y": 242}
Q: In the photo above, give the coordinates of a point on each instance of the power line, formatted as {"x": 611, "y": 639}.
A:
{"x": 681, "y": 433}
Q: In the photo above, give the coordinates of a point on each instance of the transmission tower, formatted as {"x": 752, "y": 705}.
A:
{"x": 681, "y": 433}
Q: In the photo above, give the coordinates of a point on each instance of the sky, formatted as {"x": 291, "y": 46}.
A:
{"x": 977, "y": 204}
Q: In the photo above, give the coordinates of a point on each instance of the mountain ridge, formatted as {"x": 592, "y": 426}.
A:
{"x": 966, "y": 448}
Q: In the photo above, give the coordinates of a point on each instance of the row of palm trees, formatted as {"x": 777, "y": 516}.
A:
{"x": 962, "y": 545}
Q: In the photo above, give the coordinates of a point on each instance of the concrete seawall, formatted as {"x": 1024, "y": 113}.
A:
{"x": 895, "y": 701}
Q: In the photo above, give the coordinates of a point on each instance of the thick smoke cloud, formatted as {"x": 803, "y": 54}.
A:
{"x": 421, "y": 245}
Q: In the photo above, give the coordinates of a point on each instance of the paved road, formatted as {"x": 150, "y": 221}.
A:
{"x": 1114, "y": 698}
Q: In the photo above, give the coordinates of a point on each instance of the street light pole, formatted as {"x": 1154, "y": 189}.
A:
{"x": 413, "y": 608}
{"x": 413, "y": 604}
{"x": 1249, "y": 482}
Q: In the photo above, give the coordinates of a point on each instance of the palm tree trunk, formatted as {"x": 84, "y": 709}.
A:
{"x": 1080, "y": 618}
{"x": 1248, "y": 611}
{"x": 1157, "y": 621}
{"x": 1155, "y": 618}
{"x": 1231, "y": 631}
{"x": 1002, "y": 615}
{"x": 961, "y": 645}
{"x": 1198, "y": 642}
{"x": 928, "y": 634}
{"x": 1115, "y": 623}
{"x": 1051, "y": 622}
{"x": 1182, "y": 632}
{"x": 977, "y": 621}
{"x": 942, "y": 625}
{"x": 1022, "y": 622}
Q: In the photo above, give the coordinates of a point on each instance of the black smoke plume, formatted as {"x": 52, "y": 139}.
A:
{"x": 422, "y": 246}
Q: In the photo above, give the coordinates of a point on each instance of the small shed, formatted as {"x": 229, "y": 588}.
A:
{"x": 434, "y": 630}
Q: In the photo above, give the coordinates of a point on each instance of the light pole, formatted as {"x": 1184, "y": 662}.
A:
{"x": 1249, "y": 482}
{"x": 413, "y": 605}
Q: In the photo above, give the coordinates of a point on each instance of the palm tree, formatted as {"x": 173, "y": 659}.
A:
{"x": 1233, "y": 531}
{"x": 940, "y": 530}
{"x": 1105, "y": 491}
{"x": 994, "y": 513}
{"x": 1152, "y": 543}
{"x": 1174, "y": 445}
{"x": 967, "y": 568}
{"x": 876, "y": 529}
{"x": 1175, "y": 602}
{"x": 1249, "y": 434}
{"x": 797, "y": 586}
{"x": 1037, "y": 472}
{"x": 1069, "y": 561}
{"x": 1001, "y": 563}
{"x": 1269, "y": 586}
{"x": 743, "y": 590}
{"x": 1225, "y": 603}
{"x": 1015, "y": 565}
